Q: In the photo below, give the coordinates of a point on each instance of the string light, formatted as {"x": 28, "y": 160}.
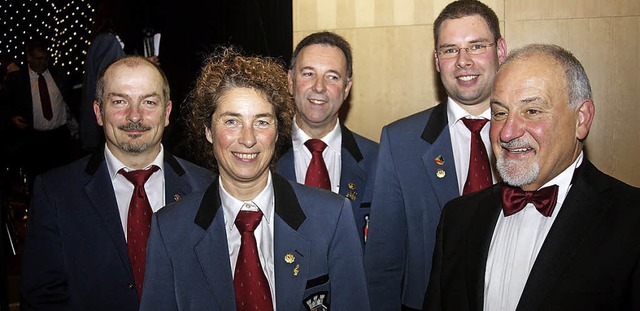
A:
{"x": 64, "y": 25}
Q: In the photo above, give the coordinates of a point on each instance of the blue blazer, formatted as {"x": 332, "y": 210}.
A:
{"x": 359, "y": 157}
{"x": 590, "y": 260}
{"x": 75, "y": 255}
{"x": 410, "y": 190}
{"x": 188, "y": 264}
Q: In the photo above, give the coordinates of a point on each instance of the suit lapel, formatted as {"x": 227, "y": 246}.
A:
{"x": 353, "y": 178}
{"x": 480, "y": 234}
{"x": 175, "y": 186}
{"x": 211, "y": 251}
{"x": 99, "y": 190}
{"x": 286, "y": 165}
{"x": 583, "y": 208}
{"x": 290, "y": 276}
{"x": 442, "y": 172}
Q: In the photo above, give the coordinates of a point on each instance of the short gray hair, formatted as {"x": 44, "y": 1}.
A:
{"x": 578, "y": 86}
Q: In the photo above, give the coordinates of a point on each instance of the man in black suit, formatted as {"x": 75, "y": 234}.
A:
{"x": 558, "y": 234}
{"x": 40, "y": 119}
{"x": 79, "y": 253}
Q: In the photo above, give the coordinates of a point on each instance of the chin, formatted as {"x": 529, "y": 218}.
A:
{"x": 516, "y": 173}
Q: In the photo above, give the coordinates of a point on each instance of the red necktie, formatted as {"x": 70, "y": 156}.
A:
{"x": 45, "y": 100}
{"x": 317, "y": 174}
{"x": 479, "y": 176}
{"x": 138, "y": 223}
{"x": 515, "y": 199}
{"x": 250, "y": 283}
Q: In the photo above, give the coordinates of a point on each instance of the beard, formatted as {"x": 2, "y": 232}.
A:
{"x": 134, "y": 146}
{"x": 516, "y": 172}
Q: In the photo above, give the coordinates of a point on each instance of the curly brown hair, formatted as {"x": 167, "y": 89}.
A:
{"x": 226, "y": 69}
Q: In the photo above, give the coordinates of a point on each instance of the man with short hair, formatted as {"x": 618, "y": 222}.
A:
{"x": 433, "y": 156}
{"x": 89, "y": 221}
{"x": 558, "y": 234}
{"x": 320, "y": 78}
{"x": 40, "y": 120}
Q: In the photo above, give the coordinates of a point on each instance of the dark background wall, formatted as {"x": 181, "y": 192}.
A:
{"x": 190, "y": 29}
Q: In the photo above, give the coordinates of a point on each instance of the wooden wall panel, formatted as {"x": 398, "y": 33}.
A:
{"x": 394, "y": 74}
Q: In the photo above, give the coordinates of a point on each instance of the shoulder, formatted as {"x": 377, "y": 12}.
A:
{"x": 367, "y": 145}
{"x": 411, "y": 121}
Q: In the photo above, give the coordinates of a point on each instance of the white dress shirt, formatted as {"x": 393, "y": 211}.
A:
{"x": 515, "y": 244}
{"x": 461, "y": 140}
{"x": 123, "y": 188}
{"x": 58, "y": 106}
{"x": 332, "y": 155}
{"x": 263, "y": 233}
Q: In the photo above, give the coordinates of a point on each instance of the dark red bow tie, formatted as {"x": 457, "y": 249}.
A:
{"x": 515, "y": 199}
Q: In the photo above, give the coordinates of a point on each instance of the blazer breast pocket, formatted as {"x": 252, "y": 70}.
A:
{"x": 317, "y": 294}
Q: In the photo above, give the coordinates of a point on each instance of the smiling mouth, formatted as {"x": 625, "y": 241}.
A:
{"x": 467, "y": 78}
{"x": 245, "y": 156}
{"x": 518, "y": 150}
{"x": 317, "y": 101}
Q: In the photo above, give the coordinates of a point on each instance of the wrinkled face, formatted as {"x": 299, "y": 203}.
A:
{"x": 468, "y": 78}
{"x": 37, "y": 60}
{"x": 319, "y": 85}
{"x": 534, "y": 134}
{"x": 134, "y": 112}
{"x": 243, "y": 133}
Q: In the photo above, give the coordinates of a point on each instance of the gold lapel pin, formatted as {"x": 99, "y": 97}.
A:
{"x": 289, "y": 258}
{"x": 439, "y": 160}
{"x": 352, "y": 195}
{"x": 352, "y": 186}
{"x": 441, "y": 173}
{"x": 296, "y": 270}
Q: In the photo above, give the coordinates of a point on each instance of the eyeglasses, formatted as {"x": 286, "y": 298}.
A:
{"x": 475, "y": 49}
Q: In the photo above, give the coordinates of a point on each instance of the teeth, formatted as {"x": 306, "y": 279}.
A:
{"x": 246, "y": 156}
{"x": 316, "y": 101}
{"x": 519, "y": 150}
{"x": 467, "y": 78}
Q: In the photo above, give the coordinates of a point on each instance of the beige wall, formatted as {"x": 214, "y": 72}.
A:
{"x": 394, "y": 74}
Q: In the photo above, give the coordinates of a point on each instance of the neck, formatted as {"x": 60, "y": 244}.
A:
{"x": 135, "y": 161}
{"x": 475, "y": 109}
{"x": 316, "y": 131}
{"x": 244, "y": 190}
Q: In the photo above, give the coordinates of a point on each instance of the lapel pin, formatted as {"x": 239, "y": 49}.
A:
{"x": 177, "y": 197}
{"x": 441, "y": 173}
{"x": 296, "y": 270}
{"x": 352, "y": 186}
{"x": 439, "y": 160}
{"x": 289, "y": 258}
{"x": 352, "y": 195}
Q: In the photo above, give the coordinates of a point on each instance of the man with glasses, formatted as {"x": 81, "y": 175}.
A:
{"x": 433, "y": 156}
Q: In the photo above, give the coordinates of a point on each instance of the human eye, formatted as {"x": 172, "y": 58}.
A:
{"x": 478, "y": 47}
{"x": 449, "y": 51}
{"x": 230, "y": 122}
{"x": 498, "y": 114}
{"x": 263, "y": 123}
{"x": 532, "y": 111}
{"x": 306, "y": 74}
{"x": 333, "y": 77}
{"x": 118, "y": 102}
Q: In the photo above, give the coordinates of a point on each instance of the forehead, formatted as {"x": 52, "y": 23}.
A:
{"x": 38, "y": 53}
{"x": 534, "y": 74}
{"x": 142, "y": 76}
{"x": 317, "y": 55}
{"x": 464, "y": 29}
{"x": 245, "y": 101}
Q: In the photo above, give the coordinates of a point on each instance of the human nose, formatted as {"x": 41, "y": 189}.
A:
{"x": 134, "y": 114}
{"x": 463, "y": 59}
{"x": 512, "y": 128}
{"x": 247, "y": 136}
{"x": 319, "y": 85}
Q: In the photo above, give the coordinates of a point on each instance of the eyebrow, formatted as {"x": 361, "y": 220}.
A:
{"x": 315, "y": 69}
{"x": 477, "y": 40}
{"x": 128, "y": 96}
{"x": 236, "y": 114}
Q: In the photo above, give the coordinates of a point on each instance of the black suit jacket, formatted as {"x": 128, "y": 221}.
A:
{"x": 17, "y": 93}
{"x": 590, "y": 259}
